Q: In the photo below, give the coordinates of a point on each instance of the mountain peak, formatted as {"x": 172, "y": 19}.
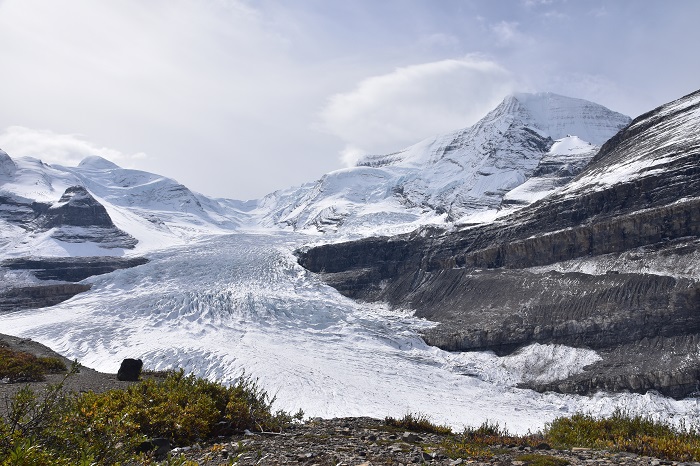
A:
{"x": 95, "y": 162}
{"x": 558, "y": 116}
{"x": 7, "y": 165}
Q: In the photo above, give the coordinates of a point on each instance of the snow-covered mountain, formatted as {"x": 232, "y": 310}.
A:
{"x": 154, "y": 210}
{"x": 527, "y": 147}
{"x": 609, "y": 262}
{"x": 459, "y": 175}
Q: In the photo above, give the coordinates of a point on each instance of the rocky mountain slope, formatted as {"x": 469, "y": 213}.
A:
{"x": 456, "y": 176}
{"x": 631, "y": 220}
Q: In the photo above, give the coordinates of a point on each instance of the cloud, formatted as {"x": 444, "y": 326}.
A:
{"x": 388, "y": 112}
{"x": 508, "y": 33}
{"x": 350, "y": 155}
{"x": 60, "y": 149}
{"x": 439, "y": 40}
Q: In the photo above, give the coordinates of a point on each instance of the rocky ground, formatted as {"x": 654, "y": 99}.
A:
{"x": 366, "y": 441}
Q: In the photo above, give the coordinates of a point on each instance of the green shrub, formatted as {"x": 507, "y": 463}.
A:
{"x": 417, "y": 422}
{"x": 19, "y": 366}
{"x": 106, "y": 427}
{"x": 624, "y": 432}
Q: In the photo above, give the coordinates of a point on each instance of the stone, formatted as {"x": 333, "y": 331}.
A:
{"x": 312, "y": 438}
{"x": 130, "y": 370}
{"x": 410, "y": 437}
{"x": 159, "y": 447}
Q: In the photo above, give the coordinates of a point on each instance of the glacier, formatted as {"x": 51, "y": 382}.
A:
{"x": 240, "y": 303}
{"x": 223, "y": 294}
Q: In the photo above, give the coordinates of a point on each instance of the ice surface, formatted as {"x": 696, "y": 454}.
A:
{"x": 240, "y": 302}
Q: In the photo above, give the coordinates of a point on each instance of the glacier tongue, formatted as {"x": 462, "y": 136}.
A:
{"x": 241, "y": 302}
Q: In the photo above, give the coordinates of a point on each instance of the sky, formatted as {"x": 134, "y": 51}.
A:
{"x": 237, "y": 98}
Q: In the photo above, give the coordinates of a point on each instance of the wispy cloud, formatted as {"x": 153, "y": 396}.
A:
{"x": 507, "y": 32}
{"x": 61, "y": 149}
{"x": 388, "y": 112}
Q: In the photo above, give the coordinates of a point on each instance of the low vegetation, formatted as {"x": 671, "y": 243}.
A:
{"x": 623, "y": 432}
{"x": 57, "y": 427}
{"x": 417, "y": 423}
{"x": 18, "y": 366}
{"x": 619, "y": 432}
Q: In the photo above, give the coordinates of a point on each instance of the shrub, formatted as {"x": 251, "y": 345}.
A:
{"x": 624, "y": 432}
{"x": 417, "y": 422}
{"x": 106, "y": 427}
{"x": 19, "y": 366}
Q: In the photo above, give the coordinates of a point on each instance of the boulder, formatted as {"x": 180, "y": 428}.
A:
{"x": 130, "y": 370}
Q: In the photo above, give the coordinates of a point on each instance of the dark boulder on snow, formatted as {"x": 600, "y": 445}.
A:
{"x": 130, "y": 370}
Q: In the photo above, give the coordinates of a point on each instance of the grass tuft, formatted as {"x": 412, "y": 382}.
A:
{"x": 416, "y": 422}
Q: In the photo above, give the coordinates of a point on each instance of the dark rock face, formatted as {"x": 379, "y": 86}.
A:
{"x": 78, "y": 208}
{"x": 640, "y": 193}
{"x": 31, "y": 297}
{"x": 130, "y": 370}
{"x": 71, "y": 269}
{"x": 660, "y": 363}
{"x": 20, "y": 213}
{"x": 64, "y": 269}
{"x": 77, "y": 217}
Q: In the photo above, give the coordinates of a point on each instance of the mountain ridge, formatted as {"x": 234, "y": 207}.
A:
{"x": 497, "y": 286}
{"x": 448, "y": 177}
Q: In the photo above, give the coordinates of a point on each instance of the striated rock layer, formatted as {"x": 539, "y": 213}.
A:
{"x": 492, "y": 287}
{"x": 15, "y": 297}
{"x": 77, "y": 217}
